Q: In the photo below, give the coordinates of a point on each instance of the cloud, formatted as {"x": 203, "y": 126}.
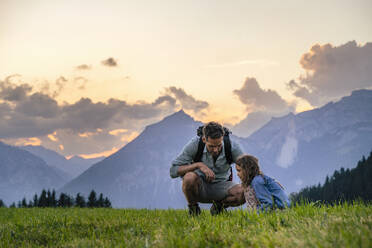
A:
{"x": 52, "y": 137}
{"x": 13, "y": 93}
{"x": 33, "y": 114}
{"x": 80, "y": 82}
{"x": 100, "y": 154}
{"x": 84, "y": 126}
{"x": 110, "y": 62}
{"x": 61, "y": 83}
{"x": 188, "y": 102}
{"x": 9, "y": 79}
{"x": 163, "y": 99}
{"x": 5, "y": 109}
{"x": 255, "y": 98}
{"x": 333, "y": 71}
{"x": 83, "y": 67}
{"x": 38, "y": 105}
{"x": 117, "y": 132}
{"x": 33, "y": 141}
{"x": 56, "y": 89}
{"x": 261, "y": 105}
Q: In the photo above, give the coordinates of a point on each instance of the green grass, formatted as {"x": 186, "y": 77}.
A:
{"x": 302, "y": 226}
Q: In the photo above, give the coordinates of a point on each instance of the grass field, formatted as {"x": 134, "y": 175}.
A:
{"x": 302, "y": 226}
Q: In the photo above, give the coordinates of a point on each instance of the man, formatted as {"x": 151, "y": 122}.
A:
{"x": 208, "y": 181}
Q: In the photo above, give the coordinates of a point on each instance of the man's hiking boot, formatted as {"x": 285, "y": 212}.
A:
{"x": 194, "y": 209}
{"x": 217, "y": 208}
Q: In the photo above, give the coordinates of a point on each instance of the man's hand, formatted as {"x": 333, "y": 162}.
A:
{"x": 209, "y": 174}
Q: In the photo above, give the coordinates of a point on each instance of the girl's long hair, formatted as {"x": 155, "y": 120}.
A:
{"x": 249, "y": 165}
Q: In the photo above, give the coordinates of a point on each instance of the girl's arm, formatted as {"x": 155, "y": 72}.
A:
{"x": 262, "y": 194}
{"x": 280, "y": 197}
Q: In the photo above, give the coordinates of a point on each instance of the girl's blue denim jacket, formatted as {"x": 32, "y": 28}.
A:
{"x": 269, "y": 193}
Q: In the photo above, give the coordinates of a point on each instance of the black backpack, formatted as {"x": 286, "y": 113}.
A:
{"x": 226, "y": 143}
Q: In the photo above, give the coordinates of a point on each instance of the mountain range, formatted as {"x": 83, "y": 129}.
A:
{"x": 24, "y": 174}
{"x": 302, "y": 149}
{"x": 138, "y": 174}
{"x": 70, "y": 168}
{"x": 296, "y": 149}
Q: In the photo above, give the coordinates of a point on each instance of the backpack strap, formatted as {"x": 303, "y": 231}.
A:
{"x": 227, "y": 144}
{"x": 228, "y": 153}
{"x": 199, "y": 153}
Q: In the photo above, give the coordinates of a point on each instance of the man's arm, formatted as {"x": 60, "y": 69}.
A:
{"x": 209, "y": 174}
{"x": 185, "y": 158}
{"x": 183, "y": 169}
{"x": 184, "y": 162}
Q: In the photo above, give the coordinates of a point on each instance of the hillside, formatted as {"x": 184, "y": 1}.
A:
{"x": 24, "y": 174}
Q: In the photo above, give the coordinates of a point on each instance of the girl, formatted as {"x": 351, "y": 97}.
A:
{"x": 261, "y": 192}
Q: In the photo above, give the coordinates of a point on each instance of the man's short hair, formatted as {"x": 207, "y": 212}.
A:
{"x": 213, "y": 130}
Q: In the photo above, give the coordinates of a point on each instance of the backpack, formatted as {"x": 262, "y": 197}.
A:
{"x": 226, "y": 143}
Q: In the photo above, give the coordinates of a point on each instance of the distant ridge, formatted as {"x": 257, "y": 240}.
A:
{"x": 302, "y": 149}
{"x": 70, "y": 168}
{"x": 24, "y": 174}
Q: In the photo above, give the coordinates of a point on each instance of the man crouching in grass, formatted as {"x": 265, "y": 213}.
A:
{"x": 204, "y": 165}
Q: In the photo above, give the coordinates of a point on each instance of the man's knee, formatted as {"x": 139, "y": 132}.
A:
{"x": 190, "y": 180}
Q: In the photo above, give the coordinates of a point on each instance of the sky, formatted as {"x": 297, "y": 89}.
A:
{"x": 85, "y": 77}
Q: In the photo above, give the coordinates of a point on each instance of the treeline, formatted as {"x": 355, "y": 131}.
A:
{"x": 48, "y": 199}
{"x": 344, "y": 185}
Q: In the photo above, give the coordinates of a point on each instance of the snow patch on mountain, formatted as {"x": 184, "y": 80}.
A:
{"x": 289, "y": 149}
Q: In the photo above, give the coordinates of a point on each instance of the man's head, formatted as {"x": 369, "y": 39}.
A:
{"x": 213, "y": 137}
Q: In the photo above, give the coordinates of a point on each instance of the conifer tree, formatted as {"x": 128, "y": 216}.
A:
{"x": 53, "y": 199}
{"x": 62, "y": 200}
{"x": 69, "y": 201}
{"x": 24, "y": 202}
{"x": 92, "y": 199}
{"x": 80, "y": 201}
{"x": 107, "y": 203}
{"x": 13, "y": 205}
{"x": 2, "y": 204}
{"x": 101, "y": 201}
{"x": 43, "y": 199}
{"x": 36, "y": 201}
{"x": 49, "y": 198}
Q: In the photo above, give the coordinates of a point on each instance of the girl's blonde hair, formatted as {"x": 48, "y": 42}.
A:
{"x": 250, "y": 167}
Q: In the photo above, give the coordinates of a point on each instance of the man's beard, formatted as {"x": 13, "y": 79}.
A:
{"x": 215, "y": 154}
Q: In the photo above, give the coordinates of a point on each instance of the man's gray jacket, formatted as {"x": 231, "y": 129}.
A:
{"x": 220, "y": 168}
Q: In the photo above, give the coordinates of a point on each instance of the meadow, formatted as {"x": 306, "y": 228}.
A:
{"x": 308, "y": 225}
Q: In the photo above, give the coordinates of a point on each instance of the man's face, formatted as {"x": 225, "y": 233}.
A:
{"x": 214, "y": 146}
